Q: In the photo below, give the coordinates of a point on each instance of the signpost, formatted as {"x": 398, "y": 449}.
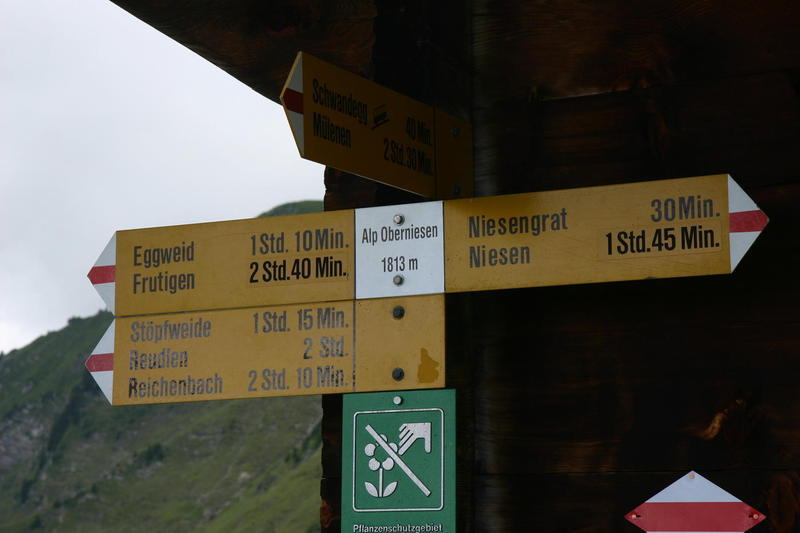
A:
{"x": 656, "y": 229}
{"x": 221, "y": 310}
{"x": 223, "y": 265}
{"x": 348, "y": 122}
{"x": 694, "y": 504}
{"x": 398, "y": 461}
{"x": 225, "y": 272}
{"x": 286, "y": 350}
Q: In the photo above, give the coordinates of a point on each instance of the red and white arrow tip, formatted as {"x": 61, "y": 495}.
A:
{"x": 292, "y": 101}
{"x": 746, "y": 221}
{"x": 101, "y": 363}
{"x": 694, "y": 504}
{"x": 103, "y": 274}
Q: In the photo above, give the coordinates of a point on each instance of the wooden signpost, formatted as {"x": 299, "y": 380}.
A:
{"x": 222, "y": 265}
{"x": 659, "y": 229}
{"x": 655, "y": 229}
{"x": 283, "y": 350}
{"x": 221, "y": 275}
{"x": 353, "y": 124}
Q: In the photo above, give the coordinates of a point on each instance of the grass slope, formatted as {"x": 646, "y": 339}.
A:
{"x": 71, "y": 462}
{"x": 79, "y": 464}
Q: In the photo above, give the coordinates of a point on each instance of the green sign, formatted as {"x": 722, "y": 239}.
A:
{"x": 398, "y": 462}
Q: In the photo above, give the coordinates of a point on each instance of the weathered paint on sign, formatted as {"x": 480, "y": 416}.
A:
{"x": 286, "y": 350}
{"x": 345, "y": 121}
{"x": 682, "y": 227}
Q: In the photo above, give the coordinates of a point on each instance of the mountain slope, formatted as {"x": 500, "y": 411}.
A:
{"x": 71, "y": 462}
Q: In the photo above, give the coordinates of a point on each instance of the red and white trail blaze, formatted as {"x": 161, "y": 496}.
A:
{"x": 693, "y": 504}
{"x": 103, "y": 274}
{"x": 746, "y": 222}
{"x": 101, "y": 363}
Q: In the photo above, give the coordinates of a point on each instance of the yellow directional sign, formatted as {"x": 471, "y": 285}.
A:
{"x": 657, "y": 229}
{"x": 240, "y": 263}
{"x": 350, "y": 123}
{"x": 287, "y": 350}
{"x": 378, "y": 332}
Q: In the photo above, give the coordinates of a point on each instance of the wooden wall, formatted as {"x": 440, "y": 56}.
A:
{"x": 587, "y": 400}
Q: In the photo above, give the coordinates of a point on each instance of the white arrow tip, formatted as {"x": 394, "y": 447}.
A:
{"x": 103, "y": 274}
{"x": 101, "y": 363}
{"x": 292, "y": 100}
{"x": 693, "y": 487}
{"x": 746, "y": 221}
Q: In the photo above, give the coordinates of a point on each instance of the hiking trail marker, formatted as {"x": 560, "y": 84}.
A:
{"x": 226, "y": 265}
{"x": 694, "y": 504}
{"x": 344, "y": 260}
{"x": 348, "y": 122}
{"x": 655, "y": 229}
{"x": 286, "y": 350}
{"x": 398, "y": 460}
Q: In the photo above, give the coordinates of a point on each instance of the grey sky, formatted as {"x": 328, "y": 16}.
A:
{"x": 107, "y": 124}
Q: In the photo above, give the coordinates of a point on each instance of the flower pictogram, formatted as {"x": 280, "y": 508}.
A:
{"x": 371, "y": 450}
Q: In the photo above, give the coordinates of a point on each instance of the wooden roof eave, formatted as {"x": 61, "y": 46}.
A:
{"x": 256, "y": 41}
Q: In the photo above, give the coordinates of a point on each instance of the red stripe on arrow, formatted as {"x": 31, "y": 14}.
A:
{"x": 293, "y": 100}
{"x": 103, "y": 274}
{"x": 695, "y": 516}
{"x": 100, "y": 362}
{"x": 748, "y": 221}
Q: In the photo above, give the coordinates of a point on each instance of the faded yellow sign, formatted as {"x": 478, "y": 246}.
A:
{"x": 657, "y": 229}
{"x": 345, "y": 121}
{"x": 239, "y": 263}
{"x": 285, "y": 350}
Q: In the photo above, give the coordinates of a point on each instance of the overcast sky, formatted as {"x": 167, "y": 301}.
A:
{"x": 107, "y": 124}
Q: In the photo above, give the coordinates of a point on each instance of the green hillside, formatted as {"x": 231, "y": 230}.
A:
{"x": 71, "y": 462}
{"x": 294, "y": 208}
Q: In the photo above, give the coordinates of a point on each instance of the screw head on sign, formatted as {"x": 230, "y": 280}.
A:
{"x": 398, "y": 280}
{"x": 398, "y": 312}
{"x": 398, "y": 374}
{"x": 397, "y": 400}
{"x": 399, "y": 219}
{"x": 755, "y": 516}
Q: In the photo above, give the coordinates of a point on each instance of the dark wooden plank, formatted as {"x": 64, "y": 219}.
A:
{"x": 695, "y": 373}
{"x": 460, "y": 375}
{"x": 566, "y": 48}
{"x": 747, "y": 126}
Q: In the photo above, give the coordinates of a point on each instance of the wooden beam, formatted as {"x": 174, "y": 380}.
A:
{"x": 256, "y": 41}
